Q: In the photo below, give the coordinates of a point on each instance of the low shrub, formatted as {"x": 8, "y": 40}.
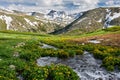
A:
{"x": 100, "y": 54}
{"x": 52, "y": 72}
{"x": 89, "y": 47}
{"x": 79, "y": 52}
{"x": 72, "y": 53}
{"x": 7, "y": 74}
{"x": 111, "y": 62}
{"x": 63, "y": 54}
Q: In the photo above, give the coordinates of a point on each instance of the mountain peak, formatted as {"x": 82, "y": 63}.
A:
{"x": 92, "y": 20}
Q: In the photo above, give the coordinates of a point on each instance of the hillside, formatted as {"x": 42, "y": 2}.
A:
{"x": 19, "y": 21}
{"x": 92, "y": 20}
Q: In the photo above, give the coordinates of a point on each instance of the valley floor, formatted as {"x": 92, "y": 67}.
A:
{"x": 19, "y": 53}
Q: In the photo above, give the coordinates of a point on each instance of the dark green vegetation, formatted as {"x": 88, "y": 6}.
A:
{"x": 19, "y": 51}
{"x": 18, "y": 57}
{"x": 52, "y": 72}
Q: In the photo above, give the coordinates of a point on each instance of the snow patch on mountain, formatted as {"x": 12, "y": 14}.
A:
{"x": 28, "y": 21}
{"x": 24, "y": 26}
{"x": 31, "y": 23}
{"x": 61, "y": 16}
{"x": 115, "y": 15}
{"x": 7, "y": 19}
{"x": 82, "y": 19}
{"x": 107, "y": 10}
{"x": 109, "y": 17}
{"x": 35, "y": 23}
{"x": 100, "y": 20}
{"x": 55, "y": 14}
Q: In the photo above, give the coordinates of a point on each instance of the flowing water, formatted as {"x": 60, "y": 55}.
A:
{"x": 86, "y": 66}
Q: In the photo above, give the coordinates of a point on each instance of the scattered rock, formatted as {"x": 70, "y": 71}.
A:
{"x": 16, "y": 54}
{"x": 12, "y": 67}
{"x": 20, "y": 44}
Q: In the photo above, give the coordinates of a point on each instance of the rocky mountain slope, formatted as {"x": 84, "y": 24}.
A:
{"x": 62, "y": 16}
{"x": 59, "y": 17}
{"x": 57, "y": 22}
{"x": 19, "y": 21}
{"x": 92, "y": 20}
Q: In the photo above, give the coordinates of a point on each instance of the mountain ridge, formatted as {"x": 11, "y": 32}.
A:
{"x": 92, "y": 20}
{"x": 79, "y": 23}
{"x": 19, "y": 21}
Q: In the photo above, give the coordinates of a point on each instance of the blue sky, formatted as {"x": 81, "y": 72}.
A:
{"x": 67, "y": 5}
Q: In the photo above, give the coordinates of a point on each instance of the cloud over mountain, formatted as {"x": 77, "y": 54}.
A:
{"x": 68, "y": 5}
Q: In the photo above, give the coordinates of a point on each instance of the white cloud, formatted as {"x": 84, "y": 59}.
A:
{"x": 81, "y": 5}
{"x": 115, "y": 3}
{"x": 13, "y": 0}
{"x": 52, "y": 2}
{"x": 111, "y": 2}
{"x": 67, "y": 5}
{"x": 84, "y": 5}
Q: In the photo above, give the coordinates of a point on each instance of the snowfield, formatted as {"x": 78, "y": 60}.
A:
{"x": 31, "y": 23}
{"x": 110, "y": 17}
{"x": 7, "y": 20}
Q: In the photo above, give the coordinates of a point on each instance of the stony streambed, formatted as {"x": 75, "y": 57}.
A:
{"x": 86, "y": 66}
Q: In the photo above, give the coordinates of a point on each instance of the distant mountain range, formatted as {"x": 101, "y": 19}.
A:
{"x": 60, "y": 17}
{"x": 28, "y": 22}
{"x": 59, "y": 22}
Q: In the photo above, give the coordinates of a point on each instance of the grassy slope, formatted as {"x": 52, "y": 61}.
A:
{"x": 19, "y": 24}
{"x": 68, "y": 47}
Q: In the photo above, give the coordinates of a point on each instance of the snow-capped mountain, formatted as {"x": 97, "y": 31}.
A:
{"x": 56, "y": 14}
{"x": 59, "y": 21}
{"x": 62, "y": 16}
{"x": 59, "y": 17}
{"x": 92, "y": 20}
{"x": 25, "y": 22}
